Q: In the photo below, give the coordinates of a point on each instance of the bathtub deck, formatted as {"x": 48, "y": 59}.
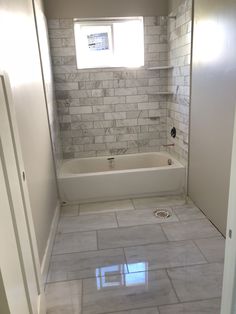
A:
{"x": 116, "y": 257}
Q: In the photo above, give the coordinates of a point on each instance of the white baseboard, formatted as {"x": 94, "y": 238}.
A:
{"x": 48, "y": 250}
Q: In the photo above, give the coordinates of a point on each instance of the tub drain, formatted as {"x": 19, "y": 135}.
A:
{"x": 162, "y": 213}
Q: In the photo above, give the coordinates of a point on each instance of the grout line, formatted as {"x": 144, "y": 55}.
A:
{"x": 129, "y": 246}
{"x": 82, "y": 295}
{"x": 195, "y": 242}
{"x": 115, "y": 213}
{"x": 188, "y": 302}
{"x": 128, "y": 311}
{"x": 137, "y": 272}
{"x": 132, "y": 201}
{"x": 126, "y": 261}
{"x": 172, "y": 285}
{"x": 97, "y": 240}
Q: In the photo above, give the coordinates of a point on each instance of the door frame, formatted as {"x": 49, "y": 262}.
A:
{"x": 229, "y": 282}
{"x": 41, "y": 308}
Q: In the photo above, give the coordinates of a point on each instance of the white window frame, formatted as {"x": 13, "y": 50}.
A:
{"x": 106, "y": 22}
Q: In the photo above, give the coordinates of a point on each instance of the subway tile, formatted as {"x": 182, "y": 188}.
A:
{"x": 104, "y": 92}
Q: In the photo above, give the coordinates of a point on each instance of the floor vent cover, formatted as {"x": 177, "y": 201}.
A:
{"x": 162, "y": 213}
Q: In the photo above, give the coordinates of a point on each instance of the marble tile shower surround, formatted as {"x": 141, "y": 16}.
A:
{"x": 119, "y": 111}
{"x": 179, "y": 55}
{"x": 110, "y": 111}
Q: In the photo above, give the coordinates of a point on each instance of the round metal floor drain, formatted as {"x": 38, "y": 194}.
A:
{"x": 162, "y": 213}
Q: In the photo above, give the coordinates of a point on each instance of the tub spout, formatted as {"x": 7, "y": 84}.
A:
{"x": 111, "y": 161}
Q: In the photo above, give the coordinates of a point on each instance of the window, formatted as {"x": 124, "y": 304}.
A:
{"x": 109, "y": 43}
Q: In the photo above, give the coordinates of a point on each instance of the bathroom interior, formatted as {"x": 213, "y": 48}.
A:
{"x": 118, "y": 156}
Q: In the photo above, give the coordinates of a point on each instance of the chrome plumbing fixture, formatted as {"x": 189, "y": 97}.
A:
{"x": 162, "y": 213}
{"x": 111, "y": 161}
{"x": 170, "y": 162}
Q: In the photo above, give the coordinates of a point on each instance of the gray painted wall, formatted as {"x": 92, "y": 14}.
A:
{"x": 212, "y": 108}
{"x": 103, "y": 8}
{"x": 19, "y": 58}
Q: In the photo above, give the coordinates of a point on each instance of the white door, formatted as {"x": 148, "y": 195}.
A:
{"x": 229, "y": 285}
{"x": 18, "y": 253}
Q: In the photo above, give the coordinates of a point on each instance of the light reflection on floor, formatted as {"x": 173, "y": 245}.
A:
{"x": 117, "y": 276}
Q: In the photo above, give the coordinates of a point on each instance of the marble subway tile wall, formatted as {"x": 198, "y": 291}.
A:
{"x": 115, "y": 110}
{"x": 179, "y": 39}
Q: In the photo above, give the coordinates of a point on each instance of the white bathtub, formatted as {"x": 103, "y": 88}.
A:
{"x": 125, "y": 176}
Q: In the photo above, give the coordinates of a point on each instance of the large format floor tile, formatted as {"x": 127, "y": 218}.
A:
{"x": 213, "y": 248}
{"x": 200, "y": 307}
{"x": 188, "y": 212}
{"x": 75, "y": 242}
{"x": 197, "y": 282}
{"x": 188, "y": 230}
{"x": 164, "y": 255}
{"x": 87, "y": 222}
{"x": 129, "y": 236}
{"x": 64, "y": 297}
{"x": 102, "y": 207}
{"x": 129, "y": 291}
{"x": 160, "y": 201}
{"x": 86, "y": 265}
{"x": 141, "y": 217}
{"x": 117, "y": 259}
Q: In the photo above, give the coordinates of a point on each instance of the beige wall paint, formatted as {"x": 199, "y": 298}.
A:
{"x": 173, "y": 4}
{"x": 19, "y": 58}
{"x": 212, "y": 107}
{"x": 103, "y": 8}
{"x": 4, "y": 309}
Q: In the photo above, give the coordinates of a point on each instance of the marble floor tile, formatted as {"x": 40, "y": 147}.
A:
{"x": 213, "y": 248}
{"x": 86, "y": 265}
{"x": 188, "y": 230}
{"x": 188, "y": 212}
{"x": 197, "y": 282}
{"x": 201, "y": 307}
{"x": 130, "y": 236}
{"x": 70, "y": 210}
{"x": 101, "y": 207}
{"x": 141, "y": 217}
{"x": 150, "y": 310}
{"x": 87, "y": 222}
{"x": 128, "y": 291}
{"x": 154, "y": 202}
{"x": 164, "y": 255}
{"x": 64, "y": 297}
{"x": 75, "y": 242}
